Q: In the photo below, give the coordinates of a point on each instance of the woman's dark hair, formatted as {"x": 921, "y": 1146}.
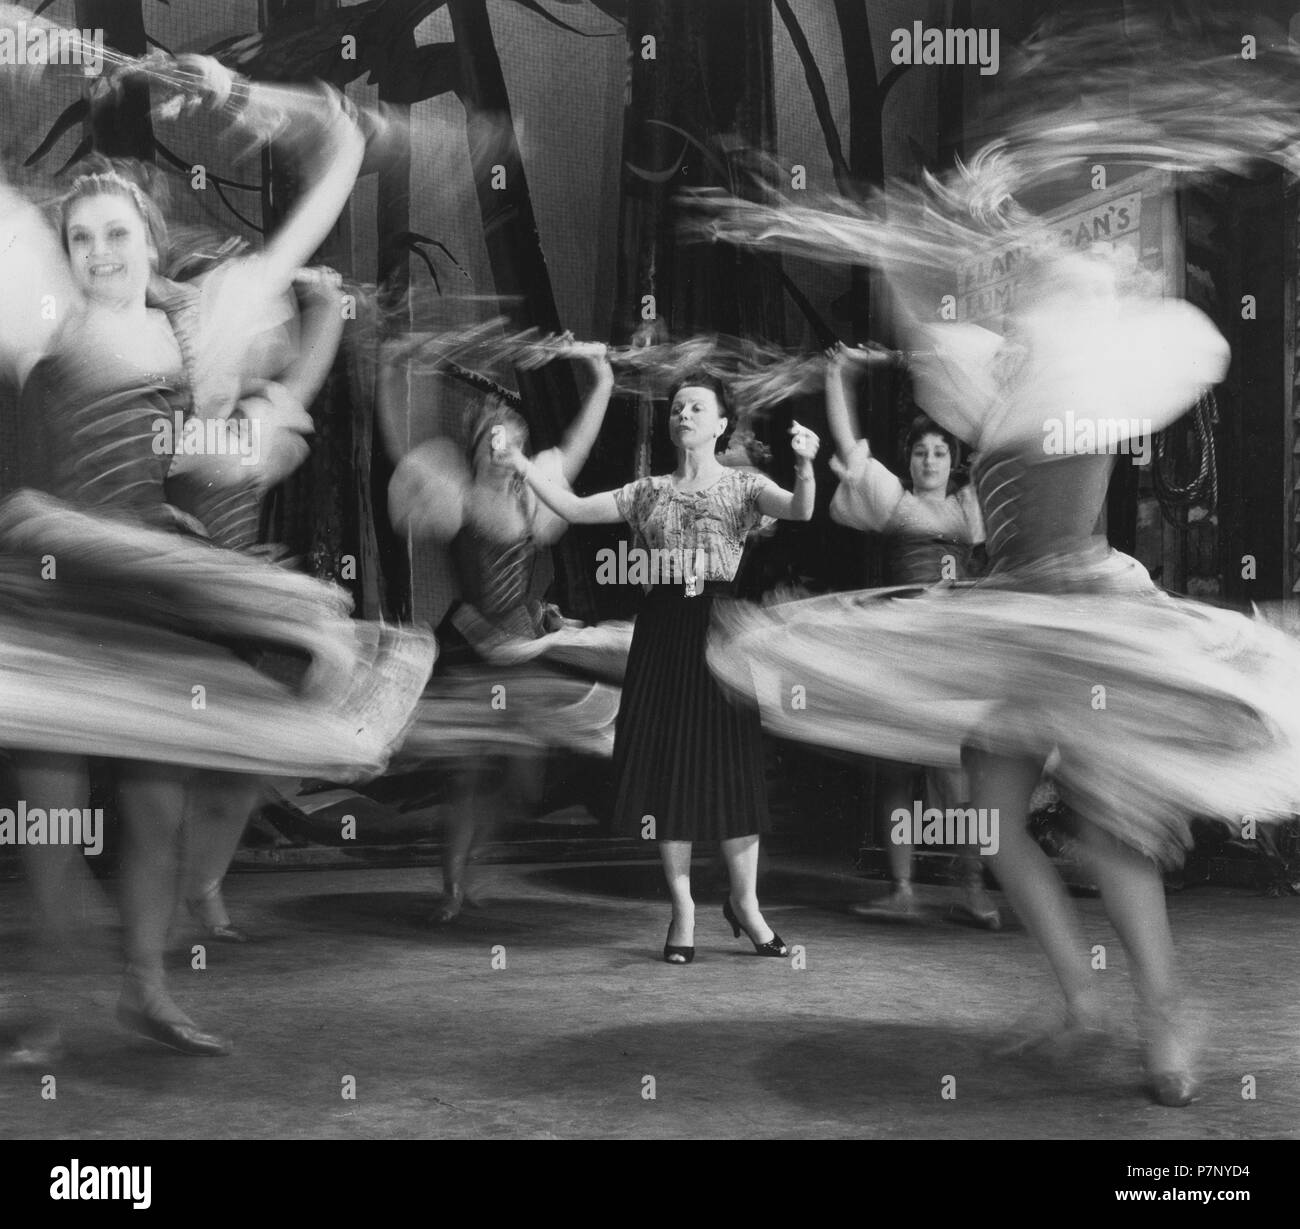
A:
{"x": 143, "y": 186}
{"x": 923, "y": 425}
{"x": 705, "y": 379}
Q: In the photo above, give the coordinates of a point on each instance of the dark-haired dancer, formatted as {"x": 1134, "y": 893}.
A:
{"x": 930, "y": 533}
{"x": 689, "y": 760}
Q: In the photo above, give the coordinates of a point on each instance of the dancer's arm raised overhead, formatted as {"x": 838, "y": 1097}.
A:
{"x": 581, "y": 436}
{"x": 241, "y": 299}
{"x": 843, "y": 365}
{"x": 329, "y": 146}
{"x": 561, "y": 466}
{"x": 869, "y": 492}
{"x": 320, "y": 301}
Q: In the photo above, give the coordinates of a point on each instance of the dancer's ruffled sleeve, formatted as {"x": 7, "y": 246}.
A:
{"x": 1090, "y": 378}
{"x": 37, "y": 293}
{"x": 426, "y": 495}
{"x": 868, "y": 494}
{"x": 1141, "y": 366}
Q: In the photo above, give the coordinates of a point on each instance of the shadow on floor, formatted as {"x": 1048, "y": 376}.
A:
{"x": 829, "y": 1068}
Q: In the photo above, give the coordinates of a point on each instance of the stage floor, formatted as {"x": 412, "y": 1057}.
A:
{"x": 580, "y": 1021}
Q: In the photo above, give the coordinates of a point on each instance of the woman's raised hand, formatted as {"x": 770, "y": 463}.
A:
{"x": 211, "y": 83}
{"x": 804, "y": 442}
{"x": 840, "y": 356}
{"x": 594, "y": 353}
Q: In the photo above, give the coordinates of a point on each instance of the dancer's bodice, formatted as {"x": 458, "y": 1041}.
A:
{"x": 1041, "y": 518}
{"x": 925, "y": 560}
{"x": 91, "y": 430}
{"x": 497, "y": 577}
{"x": 99, "y": 432}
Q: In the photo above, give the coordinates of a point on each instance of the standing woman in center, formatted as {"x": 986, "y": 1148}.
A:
{"x": 688, "y": 759}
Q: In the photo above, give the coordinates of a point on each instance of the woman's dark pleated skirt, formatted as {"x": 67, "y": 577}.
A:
{"x": 685, "y": 752}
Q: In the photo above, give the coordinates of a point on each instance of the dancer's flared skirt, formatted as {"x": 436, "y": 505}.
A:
{"x": 686, "y": 755}
{"x": 500, "y": 694}
{"x": 1161, "y": 709}
{"x": 124, "y": 641}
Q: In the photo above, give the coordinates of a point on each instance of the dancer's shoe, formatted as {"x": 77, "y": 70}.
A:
{"x": 674, "y": 954}
{"x": 229, "y": 933}
{"x": 147, "y": 1015}
{"x": 210, "y": 913}
{"x": 775, "y": 946}
{"x": 1075, "y": 1032}
{"x": 899, "y": 906}
{"x": 453, "y": 901}
{"x": 976, "y": 909}
{"x": 1170, "y": 1044}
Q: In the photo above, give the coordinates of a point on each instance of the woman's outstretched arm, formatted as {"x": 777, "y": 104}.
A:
{"x": 599, "y": 509}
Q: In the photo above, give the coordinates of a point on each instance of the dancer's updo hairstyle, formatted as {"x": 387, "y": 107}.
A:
{"x": 495, "y": 413}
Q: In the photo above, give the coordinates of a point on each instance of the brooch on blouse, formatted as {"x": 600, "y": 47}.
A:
{"x": 692, "y": 586}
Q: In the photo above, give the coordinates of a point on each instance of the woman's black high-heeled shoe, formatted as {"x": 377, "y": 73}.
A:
{"x": 677, "y": 955}
{"x": 775, "y": 946}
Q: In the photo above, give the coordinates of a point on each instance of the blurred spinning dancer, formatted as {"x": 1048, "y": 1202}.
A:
{"x": 1159, "y": 708}
{"x": 689, "y": 760}
{"x": 142, "y": 609}
{"x": 1197, "y": 711}
{"x": 499, "y": 633}
{"x": 930, "y": 535}
{"x": 219, "y": 805}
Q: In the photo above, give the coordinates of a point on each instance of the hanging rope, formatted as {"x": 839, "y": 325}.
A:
{"x": 1203, "y": 489}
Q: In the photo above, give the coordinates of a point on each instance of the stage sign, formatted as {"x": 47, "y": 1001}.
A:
{"x": 988, "y": 285}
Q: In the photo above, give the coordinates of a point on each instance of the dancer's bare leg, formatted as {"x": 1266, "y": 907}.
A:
{"x": 461, "y": 829}
{"x": 57, "y": 874}
{"x": 1028, "y": 879}
{"x": 1132, "y": 889}
{"x": 60, "y": 885}
{"x": 897, "y": 782}
{"x": 893, "y": 785}
{"x": 218, "y": 808}
{"x": 676, "y": 859}
{"x": 951, "y": 789}
{"x": 741, "y": 855}
{"x": 152, "y": 800}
